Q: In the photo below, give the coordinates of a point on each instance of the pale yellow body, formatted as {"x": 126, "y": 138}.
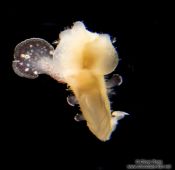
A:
{"x": 82, "y": 58}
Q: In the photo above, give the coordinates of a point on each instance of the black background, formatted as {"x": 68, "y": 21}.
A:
{"x": 38, "y": 129}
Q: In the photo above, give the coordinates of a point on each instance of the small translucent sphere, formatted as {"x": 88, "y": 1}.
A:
{"x": 71, "y": 100}
{"x": 115, "y": 80}
{"x": 27, "y": 54}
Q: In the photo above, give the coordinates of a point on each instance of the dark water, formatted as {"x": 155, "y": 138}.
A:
{"x": 38, "y": 129}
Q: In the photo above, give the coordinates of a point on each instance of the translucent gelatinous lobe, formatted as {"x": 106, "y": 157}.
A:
{"x": 81, "y": 59}
{"x": 27, "y": 54}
